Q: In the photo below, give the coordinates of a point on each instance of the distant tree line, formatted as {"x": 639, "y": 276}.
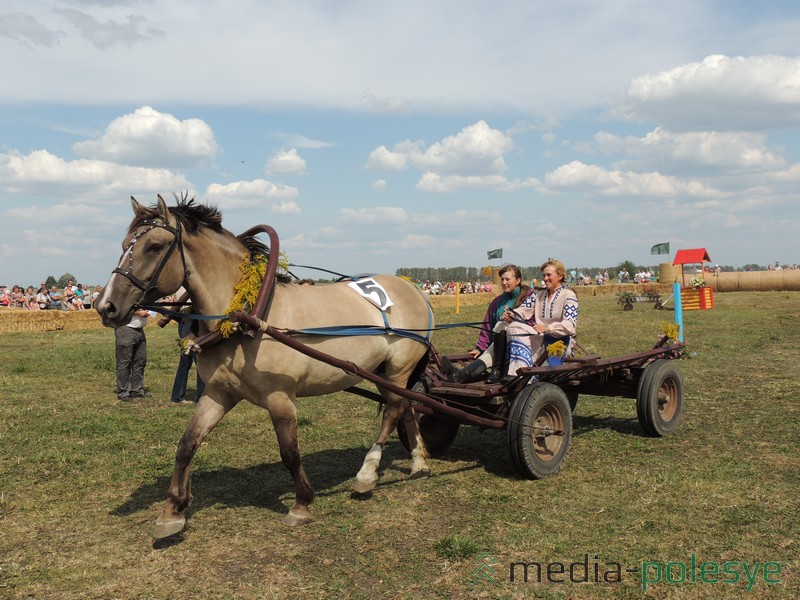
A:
{"x": 445, "y": 274}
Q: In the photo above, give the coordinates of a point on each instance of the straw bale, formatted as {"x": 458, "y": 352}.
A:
{"x": 14, "y": 320}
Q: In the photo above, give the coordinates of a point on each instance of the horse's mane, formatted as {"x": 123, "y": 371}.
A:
{"x": 193, "y": 217}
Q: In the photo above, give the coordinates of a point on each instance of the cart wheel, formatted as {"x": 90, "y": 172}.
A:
{"x": 437, "y": 433}
{"x": 628, "y": 305}
{"x": 659, "y": 399}
{"x": 572, "y": 398}
{"x": 539, "y": 430}
{"x": 658, "y": 306}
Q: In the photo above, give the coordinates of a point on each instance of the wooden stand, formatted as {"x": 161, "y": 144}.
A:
{"x": 697, "y": 298}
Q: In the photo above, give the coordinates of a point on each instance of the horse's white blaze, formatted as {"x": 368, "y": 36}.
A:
{"x": 109, "y": 289}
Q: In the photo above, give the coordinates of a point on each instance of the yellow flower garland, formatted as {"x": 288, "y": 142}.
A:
{"x": 245, "y": 292}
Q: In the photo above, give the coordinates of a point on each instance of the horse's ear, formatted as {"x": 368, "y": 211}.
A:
{"x": 162, "y": 209}
{"x": 137, "y": 208}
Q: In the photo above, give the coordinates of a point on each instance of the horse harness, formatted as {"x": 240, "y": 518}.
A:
{"x": 177, "y": 241}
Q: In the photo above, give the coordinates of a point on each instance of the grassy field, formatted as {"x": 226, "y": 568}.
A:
{"x": 82, "y": 477}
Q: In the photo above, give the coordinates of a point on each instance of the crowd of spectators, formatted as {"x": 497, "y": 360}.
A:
{"x": 74, "y": 296}
{"x": 436, "y": 288}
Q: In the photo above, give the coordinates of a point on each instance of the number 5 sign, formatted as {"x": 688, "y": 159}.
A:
{"x": 372, "y": 291}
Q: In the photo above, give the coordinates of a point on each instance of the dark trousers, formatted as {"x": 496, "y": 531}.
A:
{"x": 182, "y": 378}
{"x": 131, "y": 351}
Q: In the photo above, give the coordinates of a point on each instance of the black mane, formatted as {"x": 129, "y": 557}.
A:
{"x": 194, "y": 216}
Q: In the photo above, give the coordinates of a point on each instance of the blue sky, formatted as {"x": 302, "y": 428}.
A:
{"x": 377, "y": 135}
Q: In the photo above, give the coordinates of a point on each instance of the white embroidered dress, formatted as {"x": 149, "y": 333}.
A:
{"x": 559, "y": 312}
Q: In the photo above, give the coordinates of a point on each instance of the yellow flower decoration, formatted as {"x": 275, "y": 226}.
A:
{"x": 245, "y": 292}
{"x": 556, "y": 349}
{"x": 671, "y": 330}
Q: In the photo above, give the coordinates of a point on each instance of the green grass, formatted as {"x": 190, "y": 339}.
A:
{"x": 82, "y": 477}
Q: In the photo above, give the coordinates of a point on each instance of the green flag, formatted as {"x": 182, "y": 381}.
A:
{"x": 660, "y": 248}
{"x": 497, "y": 253}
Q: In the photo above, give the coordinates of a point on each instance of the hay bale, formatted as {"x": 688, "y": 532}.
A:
{"x": 17, "y": 319}
{"x": 669, "y": 273}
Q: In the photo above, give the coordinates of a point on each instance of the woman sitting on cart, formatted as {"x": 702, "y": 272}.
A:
{"x": 555, "y": 317}
{"x": 490, "y": 350}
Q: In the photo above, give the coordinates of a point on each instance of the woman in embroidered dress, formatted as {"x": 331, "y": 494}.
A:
{"x": 555, "y": 318}
{"x": 490, "y": 350}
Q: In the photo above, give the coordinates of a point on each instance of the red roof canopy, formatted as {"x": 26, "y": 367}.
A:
{"x": 691, "y": 256}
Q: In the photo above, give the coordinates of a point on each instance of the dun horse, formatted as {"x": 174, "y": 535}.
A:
{"x": 186, "y": 245}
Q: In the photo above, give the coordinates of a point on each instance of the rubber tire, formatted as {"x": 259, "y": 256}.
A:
{"x": 437, "y": 433}
{"x": 539, "y": 457}
{"x": 659, "y": 417}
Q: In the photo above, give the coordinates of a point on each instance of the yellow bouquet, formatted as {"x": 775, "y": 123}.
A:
{"x": 671, "y": 330}
{"x": 556, "y": 349}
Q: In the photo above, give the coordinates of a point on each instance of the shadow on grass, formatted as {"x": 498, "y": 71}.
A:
{"x": 330, "y": 471}
{"x": 265, "y": 485}
{"x": 488, "y": 448}
{"x": 582, "y": 424}
{"x": 259, "y": 485}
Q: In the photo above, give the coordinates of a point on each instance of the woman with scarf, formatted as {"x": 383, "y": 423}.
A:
{"x": 490, "y": 350}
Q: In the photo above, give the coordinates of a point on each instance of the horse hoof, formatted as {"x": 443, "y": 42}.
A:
{"x": 167, "y": 528}
{"x": 423, "y": 473}
{"x": 364, "y": 487}
{"x": 295, "y": 518}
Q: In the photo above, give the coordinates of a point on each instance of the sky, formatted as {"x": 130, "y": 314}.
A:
{"x": 374, "y": 135}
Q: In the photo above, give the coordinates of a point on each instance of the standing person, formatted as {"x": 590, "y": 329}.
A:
{"x": 490, "y": 349}
{"x": 131, "y": 354}
{"x": 178, "y": 395}
{"x": 98, "y": 289}
{"x": 556, "y": 318}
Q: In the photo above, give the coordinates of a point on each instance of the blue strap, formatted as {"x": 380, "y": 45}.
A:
{"x": 352, "y": 330}
{"x": 172, "y": 314}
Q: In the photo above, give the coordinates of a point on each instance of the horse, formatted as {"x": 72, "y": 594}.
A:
{"x": 186, "y": 245}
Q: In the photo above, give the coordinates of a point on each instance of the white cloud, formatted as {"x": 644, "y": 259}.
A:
{"x": 433, "y": 182}
{"x": 739, "y": 93}
{"x": 476, "y": 149}
{"x": 383, "y": 159}
{"x": 42, "y": 171}
{"x": 379, "y": 215}
{"x": 286, "y": 163}
{"x": 578, "y": 176}
{"x": 300, "y": 141}
{"x": 735, "y": 151}
{"x": 379, "y": 185}
{"x": 472, "y": 158}
{"x": 260, "y": 193}
{"x": 150, "y": 138}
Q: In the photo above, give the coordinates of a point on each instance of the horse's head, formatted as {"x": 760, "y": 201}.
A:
{"x": 152, "y": 264}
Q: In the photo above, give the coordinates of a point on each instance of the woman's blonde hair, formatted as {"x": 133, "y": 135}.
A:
{"x": 561, "y": 270}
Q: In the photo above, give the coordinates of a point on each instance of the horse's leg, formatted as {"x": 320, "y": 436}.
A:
{"x": 284, "y": 419}
{"x": 206, "y": 416}
{"x": 397, "y": 407}
{"x": 419, "y": 454}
